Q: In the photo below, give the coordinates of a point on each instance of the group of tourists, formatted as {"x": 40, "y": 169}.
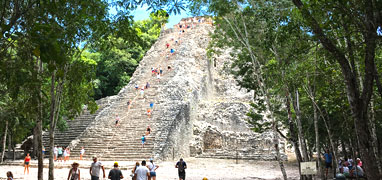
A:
{"x": 141, "y": 171}
{"x": 61, "y": 153}
{"x": 346, "y": 166}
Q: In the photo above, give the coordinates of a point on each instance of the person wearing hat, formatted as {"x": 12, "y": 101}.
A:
{"x": 74, "y": 172}
{"x": 152, "y": 167}
{"x": 182, "y": 166}
{"x": 115, "y": 174}
{"x": 95, "y": 167}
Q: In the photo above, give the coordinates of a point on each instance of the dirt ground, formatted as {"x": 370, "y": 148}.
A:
{"x": 197, "y": 169}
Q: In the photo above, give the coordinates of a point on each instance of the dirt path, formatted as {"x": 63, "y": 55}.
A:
{"x": 213, "y": 169}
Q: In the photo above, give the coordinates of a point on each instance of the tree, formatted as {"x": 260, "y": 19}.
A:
{"x": 343, "y": 33}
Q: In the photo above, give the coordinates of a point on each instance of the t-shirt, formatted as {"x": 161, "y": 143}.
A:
{"x": 96, "y": 167}
{"x": 181, "y": 166}
{"x": 143, "y": 139}
{"x": 141, "y": 172}
{"x": 359, "y": 171}
{"x": 152, "y": 166}
{"x": 115, "y": 174}
{"x": 59, "y": 150}
{"x": 82, "y": 151}
{"x": 346, "y": 169}
{"x": 328, "y": 158}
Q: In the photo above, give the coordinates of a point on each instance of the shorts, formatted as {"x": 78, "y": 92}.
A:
{"x": 153, "y": 174}
{"x": 116, "y": 122}
{"x": 59, "y": 155}
{"x": 182, "y": 174}
{"x": 26, "y": 163}
{"x": 95, "y": 178}
{"x": 143, "y": 142}
{"x": 328, "y": 165}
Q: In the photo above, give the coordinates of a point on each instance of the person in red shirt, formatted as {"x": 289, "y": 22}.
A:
{"x": 167, "y": 45}
{"x": 27, "y": 163}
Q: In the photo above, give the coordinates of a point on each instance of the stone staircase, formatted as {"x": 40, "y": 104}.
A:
{"x": 75, "y": 128}
{"x": 199, "y": 111}
{"x": 110, "y": 142}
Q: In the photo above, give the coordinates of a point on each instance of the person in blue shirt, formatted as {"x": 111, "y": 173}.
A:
{"x": 143, "y": 141}
{"x": 328, "y": 161}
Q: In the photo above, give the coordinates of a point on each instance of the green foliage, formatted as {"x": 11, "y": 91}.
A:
{"x": 116, "y": 65}
{"x": 274, "y": 49}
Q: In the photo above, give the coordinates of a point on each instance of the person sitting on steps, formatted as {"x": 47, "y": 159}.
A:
{"x": 148, "y": 130}
{"x": 149, "y": 113}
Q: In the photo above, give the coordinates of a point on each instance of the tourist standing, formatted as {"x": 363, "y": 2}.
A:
{"x": 142, "y": 172}
{"x": 142, "y": 92}
{"x": 117, "y": 120}
{"x": 55, "y": 151}
{"x": 133, "y": 175}
{"x": 43, "y": 151}
{"x": 147, "y": 85}
{"x": 116, "y": 173}
{"x": 27, "y": 161}
{"x": 95, "y": 168}
{"x": 9, "y": 175}
{"x": 65, "y": 154}
{"x": 68, "y": 153}
{"x": 182, "y": 166}
{"x": 328, "y": 161}
{"x": 82, "y": 152}
{"x": 74, "y": 172}
{"x": 59, "y": 153}
{"x": 152, "y": 167}
{"x": 143, "y": 139}
{"x": 158, "y": 77}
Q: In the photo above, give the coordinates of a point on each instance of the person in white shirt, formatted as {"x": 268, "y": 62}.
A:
{"x": 82, "y": 152}
{"x": 95, "y": 167}
{"x": 55, "y": 151}
{"x": 142, "y": 172}
{"x": 152, "y": 167}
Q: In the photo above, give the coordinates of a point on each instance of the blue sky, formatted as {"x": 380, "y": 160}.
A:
{"x": 141, "y": 13}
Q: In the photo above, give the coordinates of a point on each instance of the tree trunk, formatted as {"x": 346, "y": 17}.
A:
{"x": 374, "y": 135}
{"x": 296, "y": 106}
{"x": 4, "y": 141}
{"x": 39, "y": 120}
{"x": 52, "y": 127}
{"x": 320, "y": 173}
{"x": 9, "y": 141}
{"x": 293, "y": 134}
{"x": 278, "y": 156}
{"x": 358, "y": 101}
{"x": 35, "y": 144}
